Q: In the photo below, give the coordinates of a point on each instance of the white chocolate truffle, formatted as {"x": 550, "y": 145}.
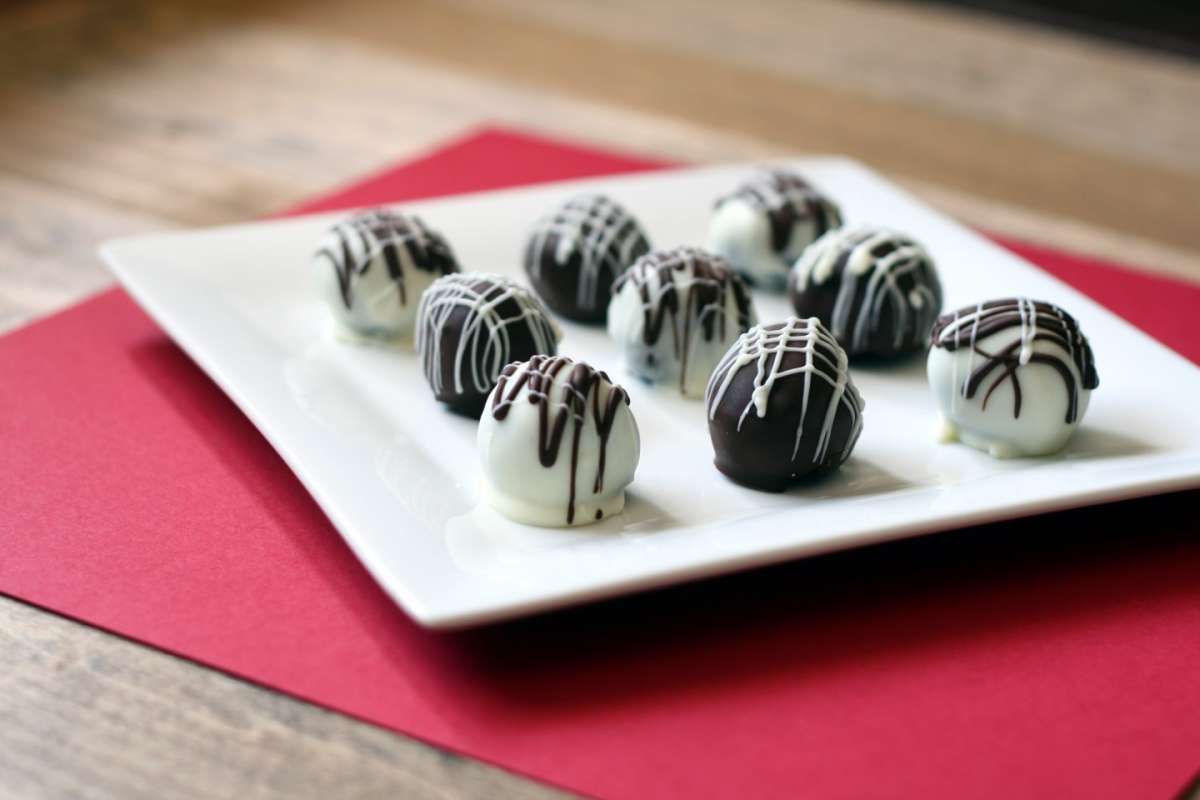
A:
{"x": 372, "y": 268}
{"x": 764, "y": 226}
{"x": 558, "y": 443}
{"x": 675, "y": 313}
{"x": 1012, "y": 377}
{"x": 875, "y": 289}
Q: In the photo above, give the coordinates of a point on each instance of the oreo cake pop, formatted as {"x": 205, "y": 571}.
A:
{"x": 876, "y": 290}
{"x": 558, "y": 443}
{"x": 372, "y": 268}
{"x": 1012, "y": 377}
{"x": 469, "y": 326}
{"x": 781, "y": 405}
{"x": 765, "y": 224}
{"x": 675, "y": 313}
{"x": 575, "y": 253}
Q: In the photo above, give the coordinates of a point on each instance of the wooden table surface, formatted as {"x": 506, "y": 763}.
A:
{"x": 132, "y": 116}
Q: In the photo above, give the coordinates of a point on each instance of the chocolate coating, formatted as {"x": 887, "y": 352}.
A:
{"x": 765, "y": 224}
{"x": 373, "y": 266}
{"x": 558, "y": 443}
{"x": 876, "y": 290}
{"x": 675, "y": 313}
{"x": 781, "y": 405}
{"x": 575, "y": 253}
{"x": 469, "y": 326}
{"x": 1012, "y": 377}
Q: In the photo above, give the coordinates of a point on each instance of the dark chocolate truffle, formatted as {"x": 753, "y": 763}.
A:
{"x": 675, "y": 313}
{"x": 876, "y": 290}
{"x": 765, "y": 224}
{"x": 469, "y": 326}
{"x": 576, "y": 253}
{"x": 781, "y": 405}
{"x": 373, "y": 267}
{"x": 1012, "y": 377}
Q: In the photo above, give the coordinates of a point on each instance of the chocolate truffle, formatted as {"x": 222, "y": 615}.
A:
{"x": 876, "y": 290}
{"x": 765, "y": 224}
{"x": 372, "y": 268}
{"x": 558, "y": 443}
{"x": 781, "y": 405}
{"x": 469, "y": 326}
{"x": 1012, "y": 377}
{"x": 675, "y": 313}
{"x": 575, "y": 253}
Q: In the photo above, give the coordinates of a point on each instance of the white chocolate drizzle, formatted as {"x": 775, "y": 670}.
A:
{"x": 603, "y": 233}
{"x": 876, "y": 267}
{"x": 823, "y": 359}
{"x": 494, "y": 304}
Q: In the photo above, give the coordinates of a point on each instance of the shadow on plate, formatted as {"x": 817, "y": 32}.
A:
{"x": 794, "y": 624}
{"x": 855, "y": 478}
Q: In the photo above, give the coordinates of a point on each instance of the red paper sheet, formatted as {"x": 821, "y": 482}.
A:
{"x": 1048, "y": 657}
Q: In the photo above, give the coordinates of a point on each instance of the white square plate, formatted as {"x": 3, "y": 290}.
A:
{"x": 398, "y": 475}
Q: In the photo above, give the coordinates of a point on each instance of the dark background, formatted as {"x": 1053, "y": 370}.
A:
{"x": 1164, "y": 25}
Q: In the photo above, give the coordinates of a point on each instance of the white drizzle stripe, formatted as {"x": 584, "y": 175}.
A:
{"x": 494, "y": 303}
{"x": 765, "y": 347}
{"x": 602, "y": 232}
{"x": 1030, "y": 315}
{"x": 852, "y": 252}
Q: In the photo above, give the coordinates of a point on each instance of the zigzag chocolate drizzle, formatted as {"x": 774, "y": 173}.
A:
{"x": 787, "y": 199}
{"x": 536, "y": 378}
{"x": 401, "y": 240}
{"x": 710, "y": 284}
{"x": 1038, "y": 322}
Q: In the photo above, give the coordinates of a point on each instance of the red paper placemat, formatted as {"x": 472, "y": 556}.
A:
{"x": 1048, "y": 657}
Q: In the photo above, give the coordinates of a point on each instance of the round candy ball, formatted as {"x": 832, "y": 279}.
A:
{"x": 558, "y": 443}
{"x": 875, "y": 289}
{"x": 469, "y": 326}
{"x": 781, "y": 405}
{"x": 576, "y": 252}
{"x": 372, "y": 268}
{"x": 763, "y": 226}
{"x": 675, "y": 313}
{"x": 1012, "y": 377}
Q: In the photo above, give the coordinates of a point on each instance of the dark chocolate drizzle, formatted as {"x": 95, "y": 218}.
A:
{"x": 787, "y": 199}
{"x": 712, "y": 282}
{"x": 380, "y": 231}
{"x": 537, "y": 379}
{"x": 1039, "y": 322}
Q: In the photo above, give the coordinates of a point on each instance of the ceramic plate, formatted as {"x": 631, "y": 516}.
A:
{"x": 398, "y": 475}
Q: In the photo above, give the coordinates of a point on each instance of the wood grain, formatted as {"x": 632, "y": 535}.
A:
{"x": 89, "y": 715}
{"x": 132, "y": 116}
